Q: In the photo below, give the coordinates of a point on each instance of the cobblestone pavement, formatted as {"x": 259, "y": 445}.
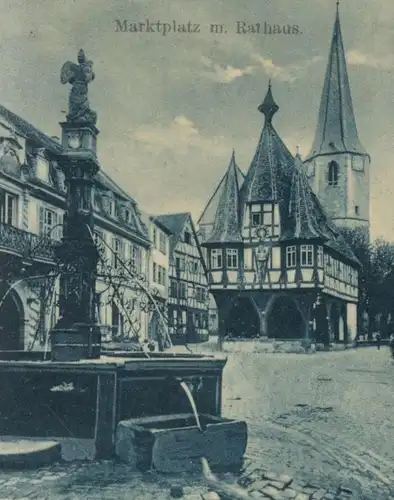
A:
{"x": 325, "y": 417}
{"x": 325, "y": 420}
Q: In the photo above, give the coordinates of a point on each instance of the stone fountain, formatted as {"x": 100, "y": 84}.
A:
{"x": 134, "y": 405}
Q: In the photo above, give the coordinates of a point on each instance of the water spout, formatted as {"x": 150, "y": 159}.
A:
{"x": 190, "y": 397}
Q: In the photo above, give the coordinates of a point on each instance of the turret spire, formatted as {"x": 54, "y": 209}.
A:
{"x": 226, "y": 226}
{"x": 268, "y": 106}
{"x": 336, "y": 130}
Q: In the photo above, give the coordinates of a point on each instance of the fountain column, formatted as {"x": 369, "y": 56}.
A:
{"x": 76, "y": 336}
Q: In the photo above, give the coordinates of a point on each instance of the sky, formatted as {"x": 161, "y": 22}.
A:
{"x": 172, "y": 108}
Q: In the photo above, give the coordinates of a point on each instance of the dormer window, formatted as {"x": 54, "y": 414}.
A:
{"x": 187, "y": 237}
{"x": 42, "y": 169}
{"x": 333, "y": 172}
{"x": 112, "y": 208}
{"x": 216, "y": 258}
{"x": 256, "y": 219}
{"x": 267, "y": 215}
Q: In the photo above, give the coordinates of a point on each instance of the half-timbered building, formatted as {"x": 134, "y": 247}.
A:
{"x": 277, "y": 266}
{"x": 188, "y": 301}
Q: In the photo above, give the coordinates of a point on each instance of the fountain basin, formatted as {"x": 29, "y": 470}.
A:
{"x": 174, "y": 443}
{"x": 83, "y": 401}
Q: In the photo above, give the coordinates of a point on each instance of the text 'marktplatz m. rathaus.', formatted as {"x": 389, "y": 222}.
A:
{"x": 268, "y": 246}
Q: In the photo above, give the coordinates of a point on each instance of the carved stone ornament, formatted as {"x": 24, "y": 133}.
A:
{"x": 74, "y": 140}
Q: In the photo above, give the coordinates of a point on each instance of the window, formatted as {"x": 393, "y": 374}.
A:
{"x": 135, "y": 257}
{"x": 154, "y": 237}
{"x": 155, "y": 272}
{"x": 174, "y": 288}
{"x": 117, "y": 247}
{"x": 266, "y": 215}
{"x": 180, "y": 264}
{"x": 320, "y": 256}
{"x": 159, "y": 274}
{"x": 127, "y": 215}
{"x": 256, "y": 219}
{"x": 306, "y": 255}
{"x": 216, "y": 258}
{"x": 162, "y": 243}
{"x": 333, "y": 171}
{"x": 182, "y": 290}
{"x": 232, "y": 258}
{"x": 48, "y": 220}
{"x": 199, "y": 294}
{"x": 9, "y": 209}
{"x": 357, "y": 210}
{"x": 291, "y": 256}
{"x": 188, "y": 238}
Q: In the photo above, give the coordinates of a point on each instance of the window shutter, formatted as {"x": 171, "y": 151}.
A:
{"x": 41, "y": 222}
{"x": 60, "y": 228}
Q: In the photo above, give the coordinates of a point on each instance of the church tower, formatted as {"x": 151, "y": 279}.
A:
{"x": 338, "y": 167}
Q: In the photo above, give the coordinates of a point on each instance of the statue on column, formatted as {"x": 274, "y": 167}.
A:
{"x": 79, "y": 75}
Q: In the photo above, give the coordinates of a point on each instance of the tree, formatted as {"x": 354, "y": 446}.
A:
{"x": 376, "y": 278}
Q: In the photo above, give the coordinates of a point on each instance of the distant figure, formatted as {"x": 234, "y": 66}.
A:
{"x": 378, "y": 339}
{"x": 391, "y": 344}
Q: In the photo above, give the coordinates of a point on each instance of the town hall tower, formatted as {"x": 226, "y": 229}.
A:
{"x": 338, "y": 166}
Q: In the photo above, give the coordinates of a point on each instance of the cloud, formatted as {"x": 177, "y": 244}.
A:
{"x": 223, "y": 74}
{"x": 180, "y": 136}
{"x": 288, "y": 73}
{"x": 357, "y": 58}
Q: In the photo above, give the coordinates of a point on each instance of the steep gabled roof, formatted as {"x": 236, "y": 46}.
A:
{"x": 336, "y": 130}
{"x": 25, "y": 129}
{"x": 307, "y": 220}
{"x": 176, "y": 224}
{"x": 269, "y": 175}
{"x": 302, "y": 221}
{"x": 226, "y": 226}
{"x": 208, "y": 215}
{"x": 147, "y": 218}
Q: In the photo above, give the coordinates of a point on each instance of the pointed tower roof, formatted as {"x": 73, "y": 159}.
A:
{"x": 226, "y": 227}
{"x": 208, "y": 215}
{"x": 306, "y": 218}
{"x": 336, "y": 130}
{"x": 270, "y": 172}
{"x": 303, "y": 221}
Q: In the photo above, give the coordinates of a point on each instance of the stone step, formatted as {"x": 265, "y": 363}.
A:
{"x": 28, "y": 454}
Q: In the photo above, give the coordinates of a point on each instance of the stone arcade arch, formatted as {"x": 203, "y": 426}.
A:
{"x": 284, "y": 319}
{"x": 243, "y": 319}
{"x": 338, "y": 322}
{"x": 12, "y": 323}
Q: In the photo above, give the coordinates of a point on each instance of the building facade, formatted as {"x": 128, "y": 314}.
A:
{"x": 32, "y": 207}
{"x": 277, "y": 266}
{"x": 159, "y": 265}
{"x": 338, "y": 166}
{"x": 188, "y": 301}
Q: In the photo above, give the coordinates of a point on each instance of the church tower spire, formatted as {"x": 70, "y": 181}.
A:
{"x": 338, "y": 164}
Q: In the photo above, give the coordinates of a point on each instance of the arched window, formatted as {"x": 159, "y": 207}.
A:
{"x": 333, "y": 170}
